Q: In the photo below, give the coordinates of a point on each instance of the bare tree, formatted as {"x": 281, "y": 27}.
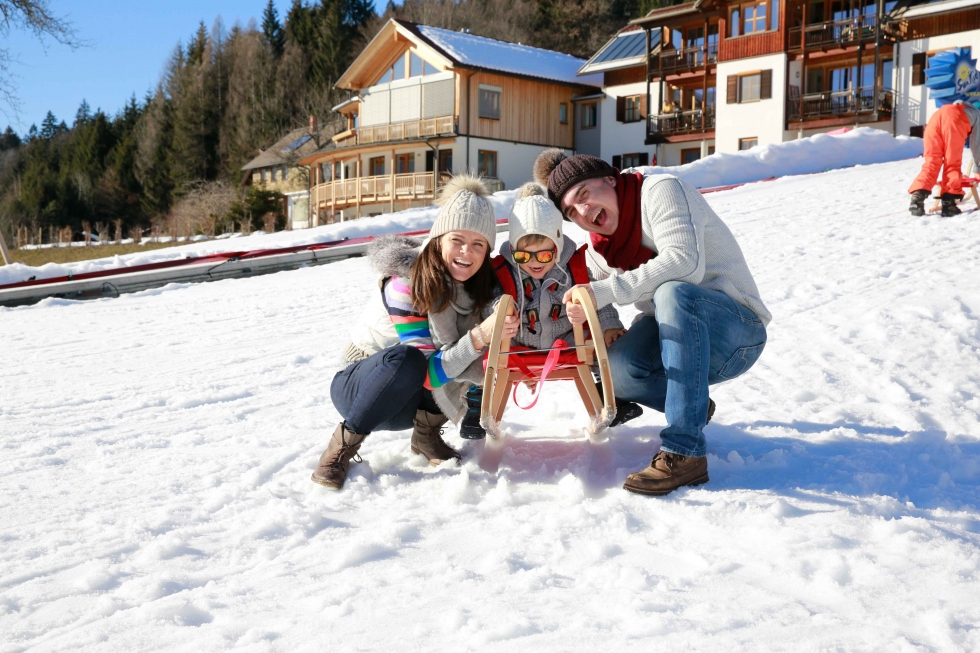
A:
{"x": 34, "y": 16}
{"x": 203, "y": 209}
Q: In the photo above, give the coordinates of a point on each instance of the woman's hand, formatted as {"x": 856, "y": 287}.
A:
{"x": 612, "y": 335}
{"x": 531, "y": 384}
{"x": 485, "y": 329}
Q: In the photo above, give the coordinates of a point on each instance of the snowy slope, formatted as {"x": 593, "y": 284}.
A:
{"x": 155, "y": 493}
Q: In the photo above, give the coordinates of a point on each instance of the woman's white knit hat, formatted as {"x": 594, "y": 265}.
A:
{"x": 534, "y": 213}
{"x": 465, "y": 207}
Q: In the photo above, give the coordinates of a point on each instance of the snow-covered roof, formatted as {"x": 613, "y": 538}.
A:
{"x": 489, "y": 54}
{"x": 920, "y": 8}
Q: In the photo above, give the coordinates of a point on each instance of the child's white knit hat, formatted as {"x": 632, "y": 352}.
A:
{"x": 534, "y": 213}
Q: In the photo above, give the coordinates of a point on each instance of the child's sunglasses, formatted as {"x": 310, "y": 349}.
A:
{"x": 544, "y": 256}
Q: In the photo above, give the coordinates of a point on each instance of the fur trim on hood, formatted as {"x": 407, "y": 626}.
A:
{"x": 392, "y": 255}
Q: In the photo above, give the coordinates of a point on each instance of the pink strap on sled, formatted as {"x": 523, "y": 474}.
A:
{"x": 546, "y": 369}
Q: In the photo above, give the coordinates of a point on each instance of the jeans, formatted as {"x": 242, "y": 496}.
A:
{"x": 383, "y": 392}
{"x": 698, "y": 337}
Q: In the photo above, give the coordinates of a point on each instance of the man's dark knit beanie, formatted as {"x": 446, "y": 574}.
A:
{"x": 574, "y": 169}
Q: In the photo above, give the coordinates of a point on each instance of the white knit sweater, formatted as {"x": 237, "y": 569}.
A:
{"x": 692, "y": 244}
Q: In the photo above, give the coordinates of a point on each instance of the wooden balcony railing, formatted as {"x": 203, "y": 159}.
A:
{"x": 378, "y": 188}
{"x": 837, "y": 32}
{"x": 675, "y": 61}
{"x": 399, "y": 131}
{"x": 840, "y": 103}
{"x": 682, "y": 122}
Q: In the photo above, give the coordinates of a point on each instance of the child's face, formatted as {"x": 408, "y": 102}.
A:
{"x": 533, "y": 267}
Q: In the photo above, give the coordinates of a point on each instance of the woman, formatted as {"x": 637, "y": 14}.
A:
{"x": 421, "y": 343}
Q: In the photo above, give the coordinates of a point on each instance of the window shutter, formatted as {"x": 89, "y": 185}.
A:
{"x": 765, "y": 93}
{"x": 644, "y": 158}
{"x": 621, "y": 109}
{"x": 617, "y": 162}
{"x": 919, "y": 69}
{"x": 643, "y": 106}
{"x": 732, "y": 89}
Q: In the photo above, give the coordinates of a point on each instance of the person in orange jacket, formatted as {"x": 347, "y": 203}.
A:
{"x": 945, "y": 135}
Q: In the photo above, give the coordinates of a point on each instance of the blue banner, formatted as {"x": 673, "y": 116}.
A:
{"x": 952, "y": 75}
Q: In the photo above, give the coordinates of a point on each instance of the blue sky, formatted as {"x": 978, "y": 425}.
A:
{"x": 129, "y": 42}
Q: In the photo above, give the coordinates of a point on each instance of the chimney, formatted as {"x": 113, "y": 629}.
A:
{"x": 312, "y": 124}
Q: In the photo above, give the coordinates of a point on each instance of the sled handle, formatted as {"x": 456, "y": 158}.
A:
{"x": 581, "y": 296}
{"x": 504, "y": 308}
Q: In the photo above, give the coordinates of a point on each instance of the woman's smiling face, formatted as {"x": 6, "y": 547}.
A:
{"x": 463, "y": 252}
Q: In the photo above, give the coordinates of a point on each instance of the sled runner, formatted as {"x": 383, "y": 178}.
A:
{"x": 506, "y": 367}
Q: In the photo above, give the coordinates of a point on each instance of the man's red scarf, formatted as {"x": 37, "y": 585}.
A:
{"x": 624, "y": 249}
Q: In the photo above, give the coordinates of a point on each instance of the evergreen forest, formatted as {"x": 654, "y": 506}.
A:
{"x": 224, "y": 94}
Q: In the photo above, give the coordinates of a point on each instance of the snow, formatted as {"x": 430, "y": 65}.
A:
{"x": 813, "y": 154}
{"x": 483, "y": 52}
{"x": 157, "y": 448}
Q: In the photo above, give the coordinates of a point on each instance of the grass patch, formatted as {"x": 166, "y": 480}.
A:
{"x": 38, "y": 257}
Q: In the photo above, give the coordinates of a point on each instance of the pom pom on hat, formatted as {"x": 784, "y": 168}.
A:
{"x": 465, "y": 207}
{"x": 545, "y": 163}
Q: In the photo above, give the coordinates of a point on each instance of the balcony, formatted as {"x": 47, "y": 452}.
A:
{"x": 840, "y": 103}
{"x": 343, "y": 193}
{"x": 399, "y": 131}
{"x": 682, "y": 122}
{"x": 838, "y": 33}
{"x": 674, "y": 61}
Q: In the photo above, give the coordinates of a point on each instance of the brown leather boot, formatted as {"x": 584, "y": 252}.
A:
{"x": 427, "y": 438}
{"x": 667, "y": 472}
{"x": 335, "y": 460}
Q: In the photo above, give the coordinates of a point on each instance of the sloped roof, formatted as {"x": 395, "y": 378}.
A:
{"x": 910, "y": 9}
{"x": 621, "y": 51}
{"x": 290, "y": 148}
{"x": 471, "y": 51}
{"x": 678, "y": 8}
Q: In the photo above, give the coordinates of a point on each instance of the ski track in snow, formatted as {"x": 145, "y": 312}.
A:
{"x": 156, "y": 453}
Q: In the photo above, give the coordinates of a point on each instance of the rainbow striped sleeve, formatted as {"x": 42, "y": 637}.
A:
{"x": 413, "y": 328}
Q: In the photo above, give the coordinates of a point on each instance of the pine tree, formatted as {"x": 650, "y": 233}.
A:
{"x": 83, "y": 114}
{"x": 49, "y": 127}
{"x": 9, "y": 140}
{"x": 273, "y": 31}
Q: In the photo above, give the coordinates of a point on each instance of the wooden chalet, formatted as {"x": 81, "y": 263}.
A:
{"x": 425, "y": 102}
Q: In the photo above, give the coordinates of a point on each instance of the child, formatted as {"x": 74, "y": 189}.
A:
{"x": 541, "y": 265}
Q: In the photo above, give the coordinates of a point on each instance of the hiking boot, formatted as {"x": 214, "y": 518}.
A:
{"x": 427, "y": 438}
{"x": 949, "y": 206}
{"x": 667, "y": 472}
{"x": 918, "y": 205}
{"x": 469, "y": 428}
{"x": 625, "y": 410}
{"x": 331, "y": 471}
{"x": 711, "y": 410}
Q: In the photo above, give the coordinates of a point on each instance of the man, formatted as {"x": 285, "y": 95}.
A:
{"x": 702, "y": 320}
{"x": 944, "y": 136}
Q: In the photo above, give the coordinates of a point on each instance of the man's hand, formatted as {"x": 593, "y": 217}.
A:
{"x": 576, "y": 313}
{"x": 612, "y": 335}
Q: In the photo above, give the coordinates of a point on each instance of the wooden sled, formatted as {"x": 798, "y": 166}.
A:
{"x": 503, "y": 373}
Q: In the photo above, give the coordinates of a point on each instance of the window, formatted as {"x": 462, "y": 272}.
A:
{"x": 411, "y": 63}
{"x": 753, "y": 18}
{"x": 326, "y": 172}
{"x": 690, "y": 155}
{"x": 748, "y": 143}
{"x": 414, "y": 65}
{"x": 285, "y": 173}
{"x": 446, "y": 161}
{"x": 377, "y": 166}
{"x": 631, "y": 160}
{"x": 589, "y": 115}
{"x": 263, "y": 175}
{"x": 398, "y": 70}
{"x": 428, "y": 69}
{"x": 490, "y": 102}
{"x": 404, "y": 163}
{"x": 750, "y": 87}
{"x": 563, "y": 113}
{"x": 632, "y": 109}
{"x": 486, "y": 163}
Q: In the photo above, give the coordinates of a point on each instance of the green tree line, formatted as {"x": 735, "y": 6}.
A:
{"x": 225, "y": 93}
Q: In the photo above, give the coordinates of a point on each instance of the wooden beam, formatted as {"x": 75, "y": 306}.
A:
{"x": 4, "y": 251}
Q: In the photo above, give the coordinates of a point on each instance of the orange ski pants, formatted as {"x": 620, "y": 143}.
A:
{"x": 945, "y": 136}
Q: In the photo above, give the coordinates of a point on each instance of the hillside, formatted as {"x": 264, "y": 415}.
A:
{"x": 155, "y": 485}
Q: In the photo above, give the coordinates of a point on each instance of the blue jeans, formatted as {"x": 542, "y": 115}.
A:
{"x": 382, "y": 392}
{"x": 698, "y": 337}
